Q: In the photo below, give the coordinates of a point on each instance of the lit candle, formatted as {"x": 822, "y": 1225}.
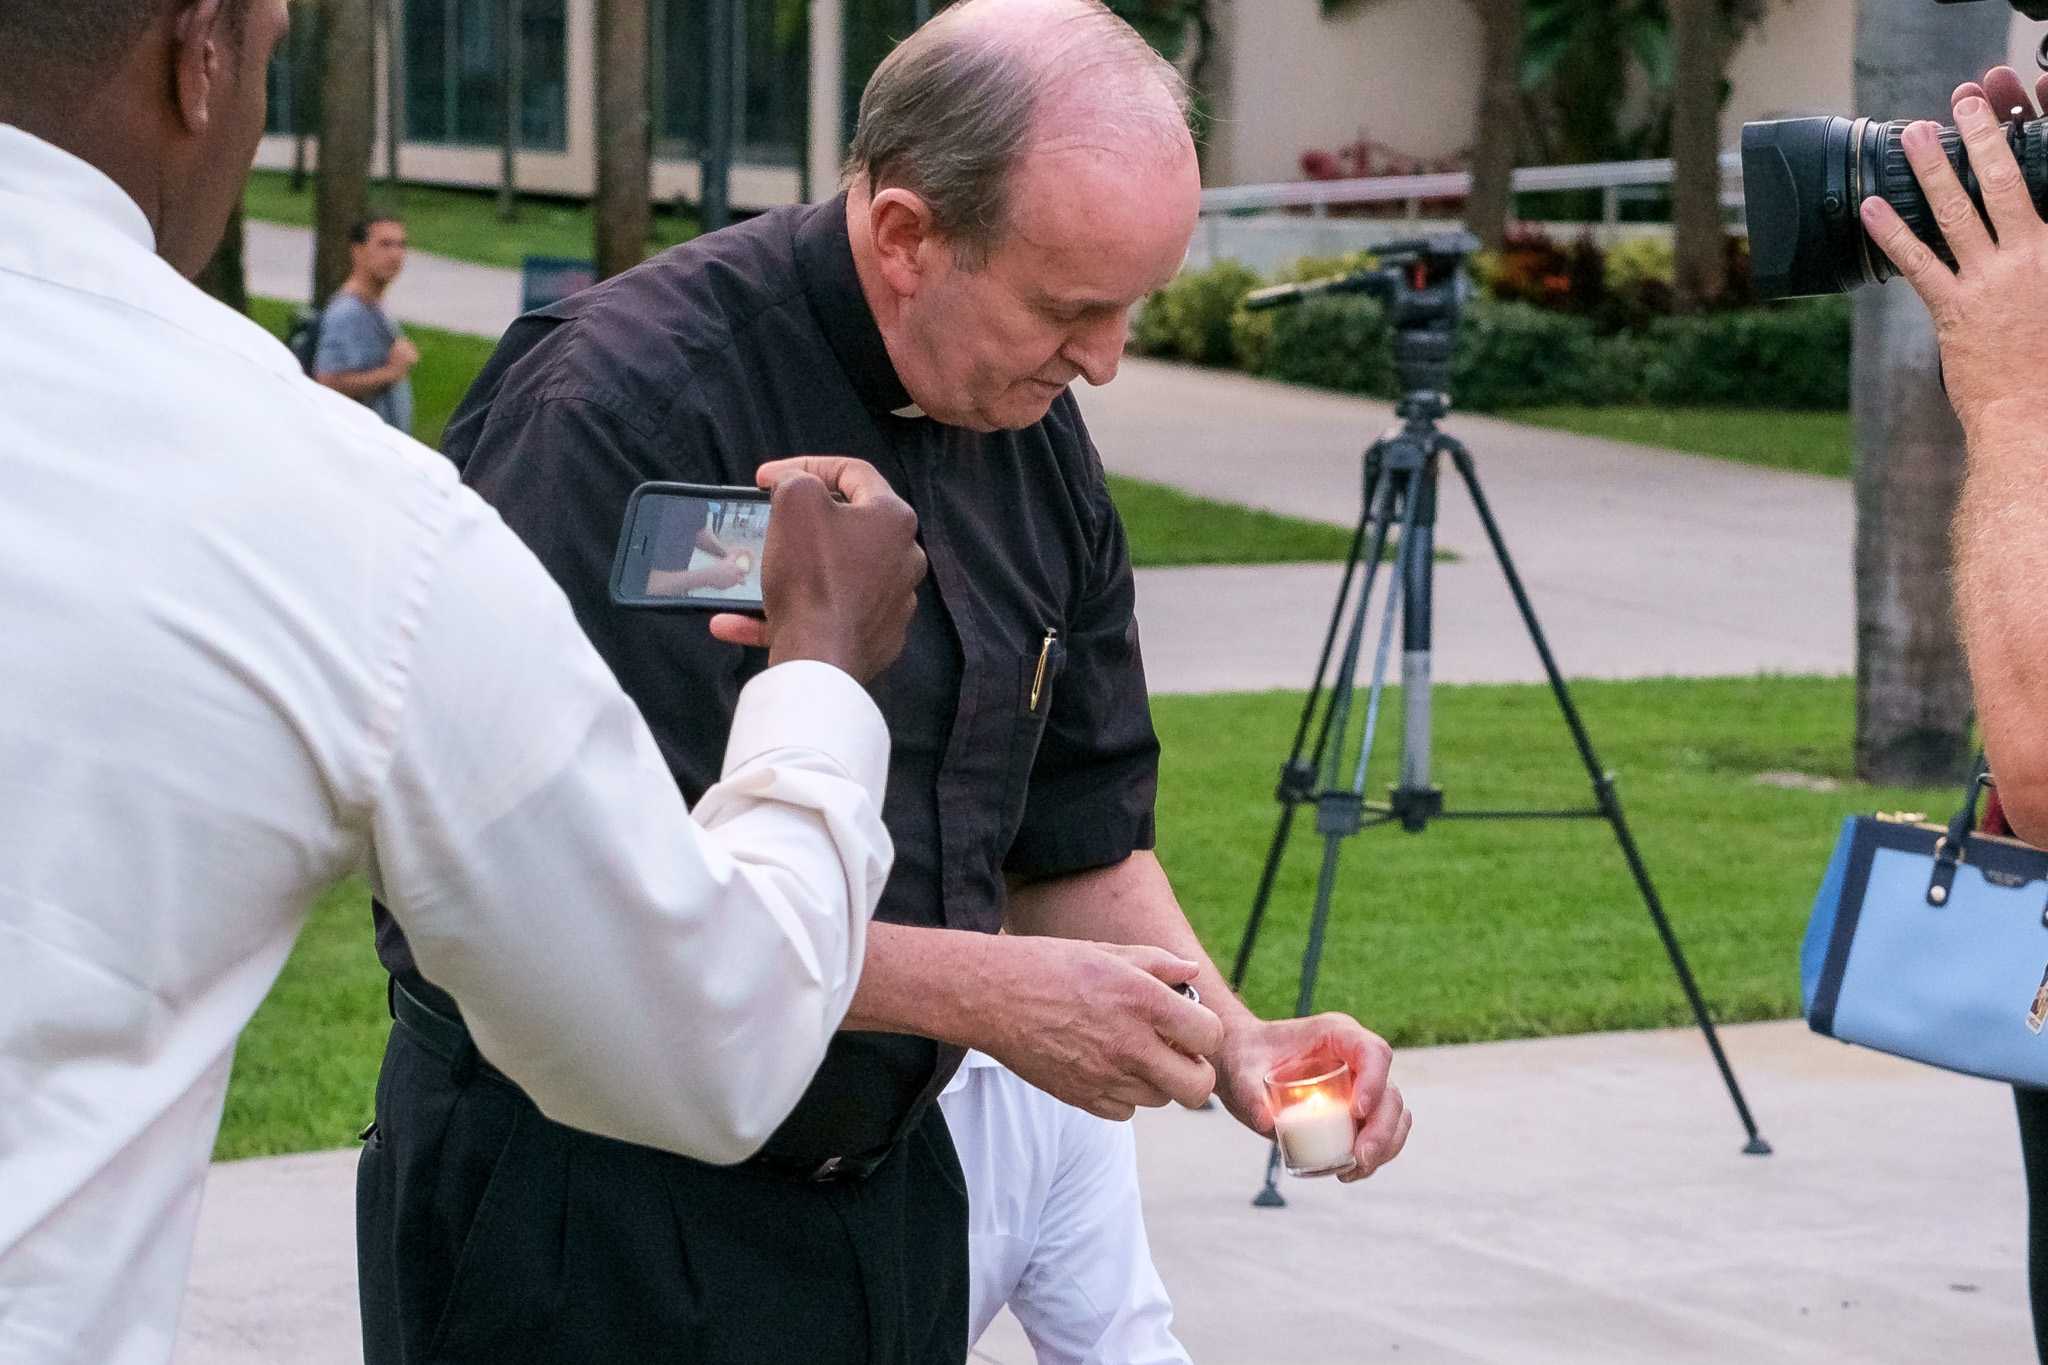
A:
{"x": 1315, "y": 1133}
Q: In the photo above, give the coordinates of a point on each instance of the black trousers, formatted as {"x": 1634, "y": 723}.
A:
{"x": 2033, "y": 1110}
{"x": 489, "y": 1235}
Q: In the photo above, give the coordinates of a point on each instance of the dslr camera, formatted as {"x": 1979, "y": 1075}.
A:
{"x": 1804, "y": 178}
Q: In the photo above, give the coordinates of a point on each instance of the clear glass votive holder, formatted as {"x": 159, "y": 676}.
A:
{"x": 1311, "y": 1101}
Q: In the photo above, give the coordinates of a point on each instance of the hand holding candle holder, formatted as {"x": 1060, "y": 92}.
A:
{"x": 1312, "y": 1120}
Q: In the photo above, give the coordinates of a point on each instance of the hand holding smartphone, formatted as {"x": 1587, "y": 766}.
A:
{"x": 692, "y": 546}
{"x": 836, "y": 580}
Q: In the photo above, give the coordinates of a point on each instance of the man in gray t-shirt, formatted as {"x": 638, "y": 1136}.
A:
{"x": 362, "y": 353}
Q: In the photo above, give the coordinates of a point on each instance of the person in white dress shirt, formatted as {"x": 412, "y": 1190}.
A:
{"x": 1055, "y": 1230}
{"x": 256, "y": 640}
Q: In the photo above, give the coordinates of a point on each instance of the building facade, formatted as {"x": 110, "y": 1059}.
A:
{"x": 1282, "y": 78}
{"x": 442, "y": 64}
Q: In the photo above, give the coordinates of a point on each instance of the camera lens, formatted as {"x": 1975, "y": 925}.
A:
{"x": 1804, "y": 179}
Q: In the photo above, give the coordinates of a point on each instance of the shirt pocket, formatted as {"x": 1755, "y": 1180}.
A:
{"x": 1038, "y": 676}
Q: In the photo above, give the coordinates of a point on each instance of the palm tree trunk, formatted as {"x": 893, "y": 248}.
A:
{"x": 1912, "y": 690}
{"x": 624, "y": 211}
{"x": 394, "y": 90}
{"x": 348, "y": 117}
{"x": 508, "y": 110}
{"x": 1496, "y": 133}
{"x": 1699, "y": 53}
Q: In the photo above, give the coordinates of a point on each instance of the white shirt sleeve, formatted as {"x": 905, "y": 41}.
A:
{"x": 1090, "y": 1294}
{"x": 644, "y": 975}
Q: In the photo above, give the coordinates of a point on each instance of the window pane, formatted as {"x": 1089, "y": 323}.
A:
{"x": 476, "y": 71}
{"x": 776, "y": 34}
{"x": 277, "y": 89}
{"x": 293, "y": 80}
{"x": 544, "y": 74}
{"x": 773, "y": 55}
{"x": 873, "y": 27}
{"x": 426, "y": 70}
{"x": 681, "y": 63}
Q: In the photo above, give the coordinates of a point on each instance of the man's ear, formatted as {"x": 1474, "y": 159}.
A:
{"x": 900, "y": 224}
{"x": 199, "y": 61}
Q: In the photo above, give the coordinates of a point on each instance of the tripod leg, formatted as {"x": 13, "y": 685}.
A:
{"x": 1335, "y": 831}
{"x": 1265, "y": 894}
{"x": 1610, "y": 802}
{"x": 1297, "y": 782}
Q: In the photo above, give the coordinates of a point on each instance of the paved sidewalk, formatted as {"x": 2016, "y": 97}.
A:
{"x": 1641, "y": 562}
{"x": 1573, "y": 1200}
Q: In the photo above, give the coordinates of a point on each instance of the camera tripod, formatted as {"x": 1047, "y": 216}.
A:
{"x": 1401, "y": 496}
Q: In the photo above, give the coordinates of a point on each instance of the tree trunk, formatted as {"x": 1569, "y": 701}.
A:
{"x": 1496, "y": 133}
{"x": 348, "y": 119}
{"x": 1699, "y": 44}
{"x": 509, "y": 19}
{"x": 394, "y": 91}
{"x": 714, "y": 157}
{"x": 624, "y": 209}
{"x": 224, "y": 277}
{"x": 1912, "y": 691}
{"x": 302, "y": 68}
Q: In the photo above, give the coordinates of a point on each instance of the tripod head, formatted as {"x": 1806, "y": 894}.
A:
{"x": 1422, "y": 285}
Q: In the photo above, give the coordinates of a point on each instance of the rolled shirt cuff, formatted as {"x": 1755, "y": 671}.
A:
{"x": 805, "y": 704}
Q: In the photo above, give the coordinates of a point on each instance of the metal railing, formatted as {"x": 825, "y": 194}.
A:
{"x": 1612, "y": 178}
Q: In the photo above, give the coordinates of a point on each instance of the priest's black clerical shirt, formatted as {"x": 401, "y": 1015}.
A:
{"x": 1022, "y": 739}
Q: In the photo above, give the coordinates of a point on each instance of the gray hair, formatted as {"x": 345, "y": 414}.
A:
{"x": 951, "y": 113}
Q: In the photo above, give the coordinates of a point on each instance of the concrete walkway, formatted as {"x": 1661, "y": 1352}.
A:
{"x": 1572, "y": 1200}
{"x": 1641, "y": 562}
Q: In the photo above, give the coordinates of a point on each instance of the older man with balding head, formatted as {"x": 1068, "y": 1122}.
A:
{"x": 1021, "y": 176}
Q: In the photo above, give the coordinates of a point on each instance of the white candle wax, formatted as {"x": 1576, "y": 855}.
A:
{"x": 1315, "y": 1133}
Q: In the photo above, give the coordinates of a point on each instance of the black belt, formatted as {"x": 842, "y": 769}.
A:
{"x": 448, "y": 1038}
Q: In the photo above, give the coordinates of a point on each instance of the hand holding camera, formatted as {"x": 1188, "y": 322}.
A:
{"x": 1993, "y": 305}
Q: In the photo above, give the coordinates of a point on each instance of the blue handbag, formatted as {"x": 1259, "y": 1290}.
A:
{"x": 1932, "y": 944}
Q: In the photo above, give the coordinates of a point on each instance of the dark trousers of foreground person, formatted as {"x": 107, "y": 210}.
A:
{"x": 2033, "y": 1107}
{"x": 489, "y": 1235}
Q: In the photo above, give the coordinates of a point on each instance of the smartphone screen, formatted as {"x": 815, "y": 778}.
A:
{"x": 686, "y": 545}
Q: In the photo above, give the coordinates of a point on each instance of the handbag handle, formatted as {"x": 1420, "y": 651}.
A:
{"x": 1952, "y": 848}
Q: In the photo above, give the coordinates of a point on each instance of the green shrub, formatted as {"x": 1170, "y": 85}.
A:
{"x": 1190, "y": 318}
{"x": 1338, "y": 341}
{"x": 1251, "y": 334}
{"x": 1639, "y": 261}
{"x": 1791, "y": 357}
{"x": 1518, "y": 355}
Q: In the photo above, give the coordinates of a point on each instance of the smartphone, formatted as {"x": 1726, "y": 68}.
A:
{"x": 692, "y": 546}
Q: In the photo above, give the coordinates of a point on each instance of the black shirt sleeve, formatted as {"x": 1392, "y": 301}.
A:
{"x": 1096, "y": 776}
{"x": 559, "y": 468}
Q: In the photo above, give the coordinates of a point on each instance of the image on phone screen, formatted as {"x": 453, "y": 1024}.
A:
{"x": 694, "y": 549}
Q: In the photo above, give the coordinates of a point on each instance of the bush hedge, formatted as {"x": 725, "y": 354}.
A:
{"x": 1516, "y": 353}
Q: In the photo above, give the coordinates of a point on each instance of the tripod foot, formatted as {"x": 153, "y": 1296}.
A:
{"x": 1757, "y": 1147}
{"x": 1268, "y": 1198}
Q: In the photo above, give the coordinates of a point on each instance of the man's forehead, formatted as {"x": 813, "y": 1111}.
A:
{"x": 1101, "y": 223}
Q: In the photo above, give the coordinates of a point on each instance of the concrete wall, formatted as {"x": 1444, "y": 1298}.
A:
{"x": 1404, "y": 73}
{"x": 1401, "y": 72}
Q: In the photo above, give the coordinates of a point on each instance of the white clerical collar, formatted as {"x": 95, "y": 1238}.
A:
{"x": 907, "y": 410}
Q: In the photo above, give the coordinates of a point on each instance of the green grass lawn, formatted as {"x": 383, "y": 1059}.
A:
{"x": 1809, "y": 442}
{"x": 464, "y": 223}
{"x": 1465, "y": 932}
